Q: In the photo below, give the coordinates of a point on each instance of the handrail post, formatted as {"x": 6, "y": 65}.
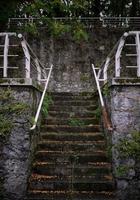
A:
{"x": 27, "y": 56}
{"x": 98, "y": 86}
{"x": 5, "y": 60}
{"x": 38, "y": 70}
{"x": 118, "y": 54}
{"x": 105, "y": 68}
{"x": 138, "y": 53}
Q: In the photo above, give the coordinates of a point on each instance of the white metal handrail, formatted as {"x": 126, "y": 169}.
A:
{"x": 5, "y": 51}
{"x": 31, "y": 58}
{"x": 41, "y": 100}
{"x": 31, "y": 63}
{"x": 103, "y": 71}
{"x": 107, "y": 121}
{"x": 115, "y": 56}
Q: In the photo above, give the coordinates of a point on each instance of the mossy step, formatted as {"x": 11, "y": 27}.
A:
{"x": 71, "y": 114}
{"x": 67, "y": 136}
{"x": 59, "y": 156}
{"x": 71, "y": 121}
{"x": 69, "y": 108}
{"x": 73, "y": 97}
{"x": 70, "y": 165}
{"x": 70, "y": 129}
{"x": 70, "y": 195}
{"x": 61, "y": 170}
{"x": 71, "y": 145}
{"x": 87, "y": 183}
{"x": 71, "y": 94}
{"x": 73, "y": 103}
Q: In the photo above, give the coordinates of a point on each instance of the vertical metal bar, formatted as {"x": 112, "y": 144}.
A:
{"x": 5, "y": 60}
{"x": 106, "y": 68}
{"x": 98, "y": 86}
{"x": 138, "y": 53}
{"x": 38, "y": 70}
{"x": 118, "y": 55}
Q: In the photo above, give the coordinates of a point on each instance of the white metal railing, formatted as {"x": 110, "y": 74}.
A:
{"x": 116, "y": 22}
{"x": 113, "y": 60}
{"x": 41, "y": 100}
{"x": 5, "y": 53}
{"x": 33, "y": 67}
{"x": 112, "y": 67}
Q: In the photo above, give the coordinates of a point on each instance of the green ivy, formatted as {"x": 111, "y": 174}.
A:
{"x": 7, "y": 109}
{"x": 122, "y": 170}
{"x": 130, "y": 147}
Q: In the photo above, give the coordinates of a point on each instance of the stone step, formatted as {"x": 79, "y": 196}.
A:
{"x": 86, "y": 183}
{"x": 71, "y": 114}
{"x": 73, "y": 103}
{"x": 70, "y": 195}
{"x": 43, "y": 168}
{"x": 65, "y": 136}
{"x": 73, "y": 94}
{"x": 60, "y": 156}
{"x": 74, "y": 98}
{"x": 71, "y": 145}
{"x": 70, "y": 129}
{"x": 71, "y": 121}
{"x": 72, "y": 108}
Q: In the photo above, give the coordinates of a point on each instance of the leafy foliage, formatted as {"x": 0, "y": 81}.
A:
{"x": 31, "y": 28}
{"x": 7, "y": 109}
{"x": 71, "y": 9}
{"x": 76, "y": 122}
{"x": 58, "y": 28}
{"x": 79, "y": 33}
{"x": 97, "y": 113}
{"x": 130, "y": 147}
{"x": 47, "y": 101}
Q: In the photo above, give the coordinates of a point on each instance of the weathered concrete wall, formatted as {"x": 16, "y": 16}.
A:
{"x": 72, "y": 59}
{"x": 125, "y": 116}
{"x": 18, "y": 146}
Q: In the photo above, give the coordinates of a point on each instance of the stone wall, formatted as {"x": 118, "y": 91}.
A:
{"x": 17, "y": 147}
{"x": 72, "y": 59}
{"x": 125, "y": 116}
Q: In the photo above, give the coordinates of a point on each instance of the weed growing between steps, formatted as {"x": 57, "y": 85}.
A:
{"x": 76, "y": 122}
{"x": 47, "y": 101}
{"x": 8, "y": 108}
{"x": 97, "y": 113}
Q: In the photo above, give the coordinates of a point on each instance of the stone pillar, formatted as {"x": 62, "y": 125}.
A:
{"x": 17, "y": 143}
{"x": 125, "y": 116}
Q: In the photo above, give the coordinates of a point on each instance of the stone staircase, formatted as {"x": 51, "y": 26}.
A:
{"x": 71, "y": 160}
